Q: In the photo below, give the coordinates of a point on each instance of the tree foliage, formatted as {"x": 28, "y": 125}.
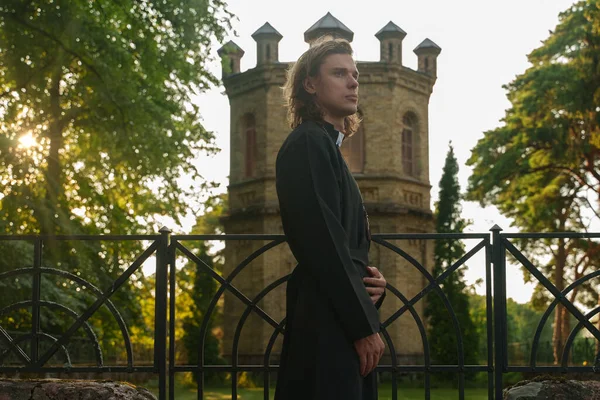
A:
{"x": 522, "y": 322}
{"x": 553, "y": 123}
{"x": 97, "y": 119}
{"x": 442, "y": 337}
{"x": 98, "y": 131}
{"x": 541, "y": 167}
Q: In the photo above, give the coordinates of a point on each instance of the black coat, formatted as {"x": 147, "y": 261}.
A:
{"x": 327, "y": 305}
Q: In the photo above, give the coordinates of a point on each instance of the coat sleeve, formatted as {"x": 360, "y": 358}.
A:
{"x": 307, "y": 174}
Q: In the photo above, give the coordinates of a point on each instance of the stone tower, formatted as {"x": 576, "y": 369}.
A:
{"x": 389, "y": 157}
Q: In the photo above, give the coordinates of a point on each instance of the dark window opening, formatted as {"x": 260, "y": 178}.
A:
{"x": 249, "y": 146}
{"x": 409, "y": 133}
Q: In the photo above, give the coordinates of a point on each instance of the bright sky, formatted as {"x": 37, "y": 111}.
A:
{"x": 484, "y": 46}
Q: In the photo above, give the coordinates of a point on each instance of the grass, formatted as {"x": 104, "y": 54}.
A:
{"x": 385, "y": 390}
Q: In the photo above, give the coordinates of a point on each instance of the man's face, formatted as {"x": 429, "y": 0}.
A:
{"x": 336, "y": 86}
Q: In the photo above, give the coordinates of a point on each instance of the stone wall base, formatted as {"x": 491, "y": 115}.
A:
{"x": 544, "y": 388}
{"x": 64, "y": 389}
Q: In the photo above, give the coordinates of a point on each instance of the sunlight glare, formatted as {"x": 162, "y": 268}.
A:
{"x": 27, "y": 141}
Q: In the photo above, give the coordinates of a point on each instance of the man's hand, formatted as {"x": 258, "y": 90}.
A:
{"x": 369, "y": 349}
{"x": 377, "y": 284}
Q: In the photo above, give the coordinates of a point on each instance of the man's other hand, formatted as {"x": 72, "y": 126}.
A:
{"x": 369, "y": 349}
{"x": 376, "y": 284}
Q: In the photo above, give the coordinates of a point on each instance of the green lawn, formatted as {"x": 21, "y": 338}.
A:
{"x": 385, "y": 391}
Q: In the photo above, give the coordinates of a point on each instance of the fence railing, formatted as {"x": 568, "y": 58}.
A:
{"x": 27, "y": 346}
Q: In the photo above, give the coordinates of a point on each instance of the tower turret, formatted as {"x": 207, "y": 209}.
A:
{"x": 267, "y": 44}
{"x": 428, "y": 52}
{"x": 390, "y": 38}
{"x": 231, "y": 55}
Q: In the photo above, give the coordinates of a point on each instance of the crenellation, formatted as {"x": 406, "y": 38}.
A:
{"x": 260, "y": 76}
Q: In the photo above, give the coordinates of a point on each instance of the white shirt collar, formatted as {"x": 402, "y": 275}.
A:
{"x": 340, "y": 139}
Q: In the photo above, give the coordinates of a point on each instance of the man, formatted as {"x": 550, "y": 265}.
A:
{"x": 331, "y": 344}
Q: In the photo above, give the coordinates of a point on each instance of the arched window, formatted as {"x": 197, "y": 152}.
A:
{"x": 249, "y": 136}
{"x": 391, "y": 51}
{"x": 426, "y": 63}
{"x": 268, "y": 53}
{"x": 353, "y": 150}
{"x": 409, "y": 149}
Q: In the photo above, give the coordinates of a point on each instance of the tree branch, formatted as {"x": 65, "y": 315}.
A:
{"x": 70, "y": 115}
{"x": 591, "y": 206}
{"x": 60, "y": 43}
{"x": 569, "y": 171}
{"x": 24, "y": 84}
{"x": 590, "y": 167}
{"x": 76, "y": 55}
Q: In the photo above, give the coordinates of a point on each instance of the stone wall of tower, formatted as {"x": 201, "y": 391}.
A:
{"x": 387, "y": 93}
{"x": 397, "y": 203}
{"x": 253, "y": 209}
{"x": 253, "y": 279}
{"x": 404, "y": 276}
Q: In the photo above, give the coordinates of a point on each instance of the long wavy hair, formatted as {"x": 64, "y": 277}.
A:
{"x": 301, "y": 105}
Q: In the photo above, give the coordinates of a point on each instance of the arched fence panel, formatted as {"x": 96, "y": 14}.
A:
{"x": 53, "y": 312}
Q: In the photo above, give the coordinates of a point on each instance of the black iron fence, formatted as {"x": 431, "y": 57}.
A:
{"x": 26, "y": 346}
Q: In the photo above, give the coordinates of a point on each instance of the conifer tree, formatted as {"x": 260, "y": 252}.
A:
{"x": 441, "y": 335}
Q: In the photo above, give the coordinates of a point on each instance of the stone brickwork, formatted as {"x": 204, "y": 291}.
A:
{"x": 553, "y": 388}
{"x": 396, "y": 202}
{"x": 58, "y": 389}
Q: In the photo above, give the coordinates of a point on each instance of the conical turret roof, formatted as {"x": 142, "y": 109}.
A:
{"x": 266, "y": 30}
{"x": 230, "y": 48}
{"x": 328, "y": 24}
{"x": 390, "y": 30}
{"x": 427, "y": 45}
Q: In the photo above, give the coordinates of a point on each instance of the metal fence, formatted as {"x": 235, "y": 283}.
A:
{"x": 31, "y": 351}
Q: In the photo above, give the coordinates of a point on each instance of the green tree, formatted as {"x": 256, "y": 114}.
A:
{"x": 98, "y": 128}
{"x": 553, "y": 123}
{"x": 97, "y": 120}
{"x": 442, "y": 339}
{"x": 540, "y": 167}
{"x": 522, "y": 322}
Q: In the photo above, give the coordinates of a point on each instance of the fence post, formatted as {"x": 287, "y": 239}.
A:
{"x": 35, "y": 299}
{"x": 499, "y": 310}
{"x": 172, "y": 316}
{"x": 160, "y": 313}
